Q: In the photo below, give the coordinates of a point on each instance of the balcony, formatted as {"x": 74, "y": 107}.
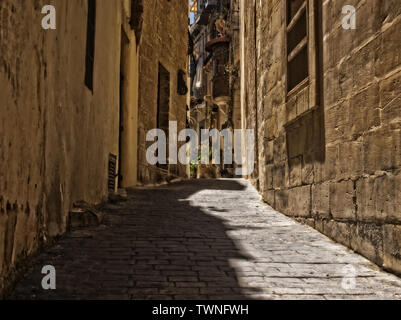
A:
{"x": 219, "y": 47}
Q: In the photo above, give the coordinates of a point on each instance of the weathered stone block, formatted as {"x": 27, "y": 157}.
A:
{"x": 269, "y": 176}
{"x": 389, "y": 55}
{"x": 337, "y": 123}
{"x": 364, "y": 112}
{"x": 281, "y": 200}
{"x": 342, "y": 196}
{"x": 329, "y": 168}
{"x": 307, "y": 170}
{"x": 390, "y": 99}
{"x": 388, "y": 11}
{"x": 299, "y": 201}
{"x": 332, "y": 81}
{"x": 367, "y": 239}
{"x": 307, "y": 221}
{"x": 362, "y": 65}
{"x": 350, "y": 160}
{"x": 279, "y": 176}
{"x": 269, "y": 154}
{"x": 295, "y": 171}
{"x": 382, "y": 149}
{"x": 339, "y": 231}
{"x": 392, "y": 248}
{"x": 280, "y": 148}
{"x": 296, "y": 139}
{"x": 320, "y": 200}
{"x": 271, "y": 128}
{"x": 319, "y": 224}
{"x": 379, "y": 198}
{"x": 268, "y": 197}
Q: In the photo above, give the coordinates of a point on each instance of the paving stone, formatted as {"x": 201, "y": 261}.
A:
{"x": 203, "y": 239}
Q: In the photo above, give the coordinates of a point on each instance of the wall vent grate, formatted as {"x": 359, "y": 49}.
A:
{"x": 111, "y": 183}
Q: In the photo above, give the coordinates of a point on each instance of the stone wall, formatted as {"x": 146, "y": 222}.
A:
{"x": 55, "y": 134}
{"x": 330, "y": 157}
{"x": 164, "y": 40}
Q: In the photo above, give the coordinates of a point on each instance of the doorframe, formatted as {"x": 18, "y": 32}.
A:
{"x": 123, "y": 101}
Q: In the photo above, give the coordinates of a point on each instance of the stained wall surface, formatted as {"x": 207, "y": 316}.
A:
{"x": 164, "y": 40}
{"x": 55, "y": 133}
{"x": 329, "y": 154}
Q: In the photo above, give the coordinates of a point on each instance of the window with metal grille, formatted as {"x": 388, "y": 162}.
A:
{"x": 297, "y": 43}
{"x": 90, "y": 44}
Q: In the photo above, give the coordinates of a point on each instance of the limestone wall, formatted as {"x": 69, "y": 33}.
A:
{"x": 334, "y": 164}
{"x": 164, "y": 40}
{"x": 55, "y": 134}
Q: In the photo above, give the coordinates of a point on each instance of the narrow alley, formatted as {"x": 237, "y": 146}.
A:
{"x": 203, "y": 239}
{"x": 200, "y": 149}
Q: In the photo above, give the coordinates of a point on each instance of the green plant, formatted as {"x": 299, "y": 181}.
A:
{"x": 193, "y": 167}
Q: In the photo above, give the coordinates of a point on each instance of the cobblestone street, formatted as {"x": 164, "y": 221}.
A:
{"x": 203, "y": 239}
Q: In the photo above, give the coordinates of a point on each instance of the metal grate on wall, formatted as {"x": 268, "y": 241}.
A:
{"x": 112, "y": 173}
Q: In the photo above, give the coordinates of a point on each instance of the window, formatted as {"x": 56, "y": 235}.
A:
{"x": 90, "y": 44}
{"x": 304, "y": 57}
{"x": 297, "y": 43}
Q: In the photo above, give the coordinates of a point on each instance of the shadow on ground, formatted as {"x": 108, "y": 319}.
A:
{"x": 156, "y": 245}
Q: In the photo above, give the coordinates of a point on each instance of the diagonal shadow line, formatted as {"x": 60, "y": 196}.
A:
{"x": 156, "y": 245}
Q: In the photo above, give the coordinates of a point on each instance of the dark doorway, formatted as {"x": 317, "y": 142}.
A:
{"x": 123, "y": 79}
{"x": 90, "y": 44}
{"x": 163, "y": 104}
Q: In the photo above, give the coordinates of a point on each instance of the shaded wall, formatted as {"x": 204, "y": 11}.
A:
{"x": 330, "y": 157}
{"x": 164, "y": 40}
{"x": 129, "y": 109}
{"x": 55, "y": 134}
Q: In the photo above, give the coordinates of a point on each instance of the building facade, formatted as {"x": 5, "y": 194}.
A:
{"x": 72, "y": 99}
{"x": 215, "y": 63}
{"x": 60, "y": 116}
{"x": 163, "y": 73}
{"x": 325, "y": 102}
